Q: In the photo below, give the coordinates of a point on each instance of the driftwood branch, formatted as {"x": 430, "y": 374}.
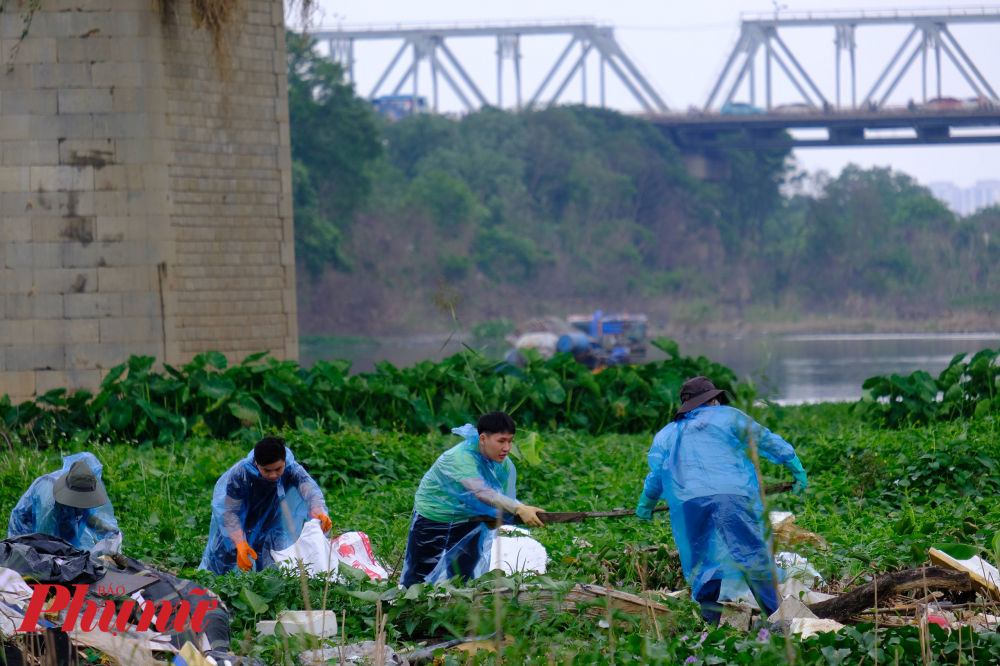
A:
{"x": 856, "y": 601}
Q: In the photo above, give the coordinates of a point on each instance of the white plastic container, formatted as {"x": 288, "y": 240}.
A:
{"x": 302, "y": 622}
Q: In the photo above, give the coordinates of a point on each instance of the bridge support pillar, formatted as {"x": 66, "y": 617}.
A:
{"x": 145, "y": 191}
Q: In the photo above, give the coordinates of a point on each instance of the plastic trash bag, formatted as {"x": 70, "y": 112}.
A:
{"x": 462, "y": 484}
{"x": 49, "y": 559}
{"x": 248, "y": 507}
{"x": 319, "y": 555}
{"x": 38, "y": 511}
{"x": 701, "y": 466}
{"x": 796, "y": 577}
{"x": 15, "y": 595}
{"x": 518, "y": 552}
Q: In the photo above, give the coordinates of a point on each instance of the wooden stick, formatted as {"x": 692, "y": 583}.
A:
{"x": 560, "y": 517}
{"x": 858, "y": 600}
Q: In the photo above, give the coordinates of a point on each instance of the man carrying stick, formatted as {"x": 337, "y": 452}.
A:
{"x": 472, "y": 479}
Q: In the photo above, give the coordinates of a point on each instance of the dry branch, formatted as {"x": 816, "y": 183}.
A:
{"x": 857, "y": 601}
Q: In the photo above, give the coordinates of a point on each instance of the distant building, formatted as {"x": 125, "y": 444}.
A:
{"x": 968, "y": 200}
{"x": 949, "y": 194}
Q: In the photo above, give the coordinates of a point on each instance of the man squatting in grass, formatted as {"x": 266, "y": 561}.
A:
{"x": 260, "y": 505}
{"x": 701, "y": 465}
{"x": 474, "y": 478}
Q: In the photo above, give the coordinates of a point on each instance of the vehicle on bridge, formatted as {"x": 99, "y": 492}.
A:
{"x": 740, "y": 109}
{"x": 397, "y": 107}
{"x": 794, "y": 109}
{"x": 944, "y": 104}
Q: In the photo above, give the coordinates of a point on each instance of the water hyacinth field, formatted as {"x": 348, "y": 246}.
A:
{"x": 884, "y": 487}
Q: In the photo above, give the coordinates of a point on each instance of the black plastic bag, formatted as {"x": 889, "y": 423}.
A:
{"x": 44, "y": 558}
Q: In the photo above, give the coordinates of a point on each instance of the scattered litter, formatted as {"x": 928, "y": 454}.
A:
{"x": 319, "y": 555}
{"x": 121, "y": 648}
{"x": 789, "y": 610}
{"x": 985, "y": 577}
{"x": 354, "y": 653}
{"x": 518, "y": 552}
{"x": 124, "y": 584}
{"x": 314, "y": 623}
{"x": 737, "y": 616}
{"x": 472, "y": 647}
{"x": 15, "y": 595}
{"x": 780, "y": 518}
{"x": 809, "y": 627}
{"x": 580, "y": 542}
{"x": 49, "y": 559}
{"x": 787, "y": 533}
{"x": 190, "y": 656}
{"x": 796, "y": 578}
{"x": 939, "y": 621}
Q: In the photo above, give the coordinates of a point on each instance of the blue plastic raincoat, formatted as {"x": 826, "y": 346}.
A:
{"x": 38, "y": 511}
{"x": 701, "y": 464}
{"x": 462, "y": 484}
{"x": 248, "y": 507}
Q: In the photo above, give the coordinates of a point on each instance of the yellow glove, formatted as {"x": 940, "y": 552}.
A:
{"x": 324, "y": 520}
{"x": 529, "y": 515}
{"x": 244, "y": 553}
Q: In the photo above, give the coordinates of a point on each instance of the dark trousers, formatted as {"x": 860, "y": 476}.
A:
{"x": 429, "y": 540}
{"x": 711, "y": 611}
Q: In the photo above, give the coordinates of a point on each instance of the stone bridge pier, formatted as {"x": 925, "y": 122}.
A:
{"x": 145, "y": 191}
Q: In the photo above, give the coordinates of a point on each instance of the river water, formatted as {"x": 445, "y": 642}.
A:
{"x": 796, "y": 368}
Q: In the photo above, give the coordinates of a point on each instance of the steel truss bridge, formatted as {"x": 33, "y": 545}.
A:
{"x": 826, "y": 113}
{"x": 429, "y": 44}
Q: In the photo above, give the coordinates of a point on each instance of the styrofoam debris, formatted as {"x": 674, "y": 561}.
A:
{"x": 737, "y": 616}
{"x": 314, "y": 623}
{"x": 790, "y": 609}
{"x": 809, "y": 626}
{"x": 354, "y": 653}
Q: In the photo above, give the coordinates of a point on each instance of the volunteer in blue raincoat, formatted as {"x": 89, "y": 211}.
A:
{"x": 71, "y": 504}
{"x": 248, "y": 518}
{"x": 473, "y": 479}
{"x": 701, "y": 465}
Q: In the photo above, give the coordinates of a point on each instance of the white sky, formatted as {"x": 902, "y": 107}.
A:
{"x": 681, "y": 48}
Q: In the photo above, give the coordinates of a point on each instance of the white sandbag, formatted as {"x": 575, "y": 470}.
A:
{"x": 518, "y": 552}
{"x": 319, "y": 555}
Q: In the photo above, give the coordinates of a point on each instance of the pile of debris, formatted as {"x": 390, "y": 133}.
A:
{"x": 76, "y": 593}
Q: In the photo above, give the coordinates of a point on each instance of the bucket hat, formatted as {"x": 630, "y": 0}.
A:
{"x": 79, "y": 488}
{"x": 696, "y": 392}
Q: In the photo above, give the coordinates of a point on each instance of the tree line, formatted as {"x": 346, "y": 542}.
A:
{"x": 514, "y": 212}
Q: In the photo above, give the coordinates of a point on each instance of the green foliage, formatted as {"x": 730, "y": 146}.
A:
{"x": 916, "y": 487}
{"x": 448, "y": 200}
{"x": 965, "y": 389}
{"x": 334, "y": 140}
{"x": 492, "y": 329}
{"x": 207, "y": 397}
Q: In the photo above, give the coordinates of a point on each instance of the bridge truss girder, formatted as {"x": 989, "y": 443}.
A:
{"x": 429, "y": 44}
{"x": 931, "y": 31}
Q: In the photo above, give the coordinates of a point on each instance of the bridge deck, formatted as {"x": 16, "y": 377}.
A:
{"x": 843, "y": 128}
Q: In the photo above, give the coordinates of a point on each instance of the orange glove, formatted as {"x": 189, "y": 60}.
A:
{"x": 324, "y": 520}
{"x": 244, "y": 553}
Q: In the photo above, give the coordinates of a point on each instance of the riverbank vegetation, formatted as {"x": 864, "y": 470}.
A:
{"x": 879, "y": 497}
{"x": 409, "y": 224}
